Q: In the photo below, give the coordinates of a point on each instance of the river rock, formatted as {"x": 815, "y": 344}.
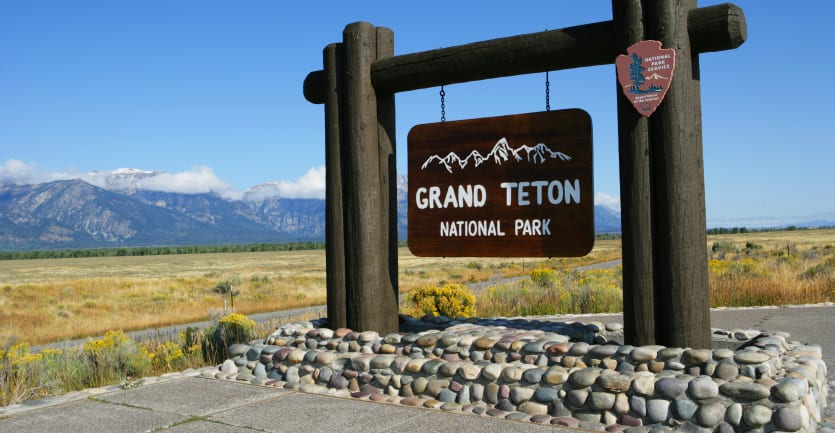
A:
{"x": 710, "y": 414}
{"x": 756, "y": 416}
{"x": 789, "y": 390}
{"x": 703, "y": 387}
{"x": 658, "y": 409}
{"x": 744, "y": 390}
{"x": 585, "y": 377}
{"x": 751, "y": 357}
{"x": 601, "y": 401}
{"x": 613, "y": 382}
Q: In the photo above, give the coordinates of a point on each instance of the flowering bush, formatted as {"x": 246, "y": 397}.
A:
{"x": 119, "y": 353}
{"x": 229, "y": 330}
{"x": 543, "y": 277}
{"x": 451, "y": 300}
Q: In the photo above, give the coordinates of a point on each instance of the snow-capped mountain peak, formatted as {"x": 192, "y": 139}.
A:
{"x": 127, "y": 180}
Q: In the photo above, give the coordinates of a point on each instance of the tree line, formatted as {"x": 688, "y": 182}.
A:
{"x": 735, "y": 230}
{"x": 159, "y": 251}
{"x": 290, "y": 246}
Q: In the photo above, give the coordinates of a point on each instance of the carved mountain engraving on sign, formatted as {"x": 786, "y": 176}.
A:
{"x": 500, "y": 154}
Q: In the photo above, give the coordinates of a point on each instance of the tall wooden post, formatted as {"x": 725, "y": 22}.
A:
{"x": 635, "y": 192}
{"x": 681, "y": 281}
{"x": 386, "y": 121}
{"x": 334, "y": 228}
{"x": 371, "y": 301}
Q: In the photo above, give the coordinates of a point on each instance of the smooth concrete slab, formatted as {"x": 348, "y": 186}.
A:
{"x": 89, "y": 416}
{"x": 193, "y": 396}
{"x": 318, "y": 413}
{"x": 457, "y": 423}
{"x": 204, "y": 426}
{"x": 324, "y": 414}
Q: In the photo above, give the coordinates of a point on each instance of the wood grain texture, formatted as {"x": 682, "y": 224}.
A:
{"x": 714, "y": 28}
{"x": 334, "y": 222}
{"x": 635, "y": 193}
{"x": 679, "y": 238}
{"x": 361, "y": 188}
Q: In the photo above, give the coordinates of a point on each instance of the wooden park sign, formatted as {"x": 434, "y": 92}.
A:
{"x": 509, "y": 186}
{"x": 665, "y": 279}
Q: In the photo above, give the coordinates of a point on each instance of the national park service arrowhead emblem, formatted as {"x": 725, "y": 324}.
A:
{"x": 645, "y": 74}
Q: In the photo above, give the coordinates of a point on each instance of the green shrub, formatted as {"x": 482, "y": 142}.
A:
{"x": 451, "y": 300}
{"x": 117, "y": 356}
{"x": 232, "y": 329}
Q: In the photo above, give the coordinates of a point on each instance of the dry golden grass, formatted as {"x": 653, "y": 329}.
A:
{"x": 773, "y": 268}
{"x": 416, "y": 272}
{"x": 55, "y": 299}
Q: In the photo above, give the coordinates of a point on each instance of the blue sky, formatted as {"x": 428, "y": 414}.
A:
{"x": 211, "y": 93}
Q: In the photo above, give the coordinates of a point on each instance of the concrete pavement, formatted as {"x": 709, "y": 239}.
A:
{"x": 186, "y": 403}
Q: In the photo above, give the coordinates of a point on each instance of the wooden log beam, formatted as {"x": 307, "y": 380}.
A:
{"x": 713, "y": 28}
{"x": 635, "y": 193}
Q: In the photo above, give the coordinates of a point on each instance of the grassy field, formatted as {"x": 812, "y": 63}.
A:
{"x": 55, "y": 299}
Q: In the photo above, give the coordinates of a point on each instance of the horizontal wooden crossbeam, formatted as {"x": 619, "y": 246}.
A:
{"x": 713, "y": 28}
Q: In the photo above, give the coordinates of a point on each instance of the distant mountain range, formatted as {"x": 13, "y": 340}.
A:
{"x": 76, "y": 214}
{"x": 499, "y": 154}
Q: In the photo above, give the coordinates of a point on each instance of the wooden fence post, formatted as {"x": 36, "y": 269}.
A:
{"x": 370, "y": 301}
{"x": 635, "y": 192}
{"x": 334, "y": 228}
{"x": 680, "y": 240}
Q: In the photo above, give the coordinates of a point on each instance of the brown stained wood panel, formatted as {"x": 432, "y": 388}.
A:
{"x": 571, "y": 226}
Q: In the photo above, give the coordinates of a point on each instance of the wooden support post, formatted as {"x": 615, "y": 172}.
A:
{"x": 386, "y": 121}
{"x": 368, "y": 287}
{"x": 680, "y": 240}
{"x": 334, "y": 228}
{"x": 635, "y": 192}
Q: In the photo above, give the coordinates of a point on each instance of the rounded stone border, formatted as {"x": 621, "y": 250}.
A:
{"x": 543, "y": 370}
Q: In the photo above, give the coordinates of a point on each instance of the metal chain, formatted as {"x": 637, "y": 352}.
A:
{"x": 547, "y": 92}
{"x": 443, "y": 106}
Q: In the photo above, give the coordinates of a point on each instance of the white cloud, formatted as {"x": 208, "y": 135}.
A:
{"x": 309, "y": 185}
{"x": 197, "y": 180}
{"x": 17, "y": 171}
{"x": 610, "y": 201}
{"x": 22, "y": 173}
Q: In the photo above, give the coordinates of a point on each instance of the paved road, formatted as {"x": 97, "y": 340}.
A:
{"x": 171, "y": 332}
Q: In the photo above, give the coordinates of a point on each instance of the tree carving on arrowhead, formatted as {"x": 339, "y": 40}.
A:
{"x": 645, "y": 74}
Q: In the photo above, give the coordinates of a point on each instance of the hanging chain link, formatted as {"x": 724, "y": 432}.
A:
{"x": 547, "y": 92}
{"x": 443, "y": 105}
